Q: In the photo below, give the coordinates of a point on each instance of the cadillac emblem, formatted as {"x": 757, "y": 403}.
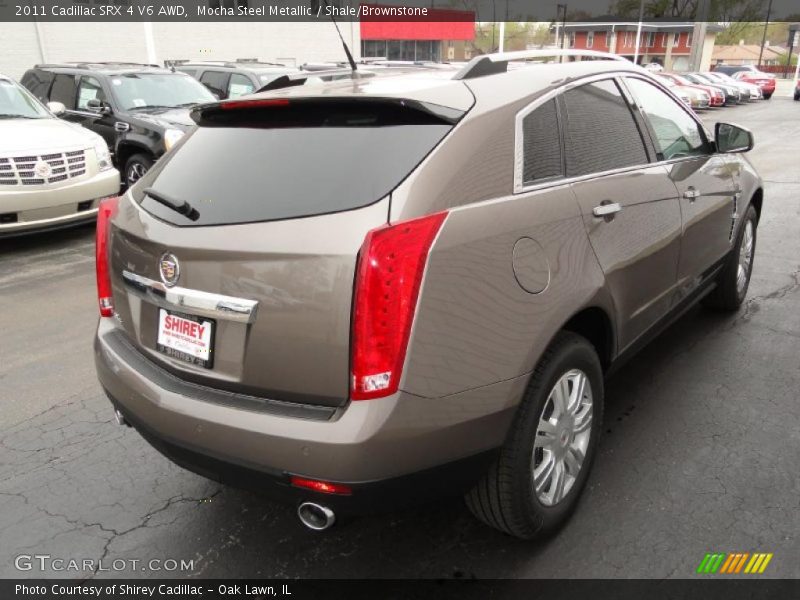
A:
{"x": 42, "y": 169}
{"x": 169, "y": 269}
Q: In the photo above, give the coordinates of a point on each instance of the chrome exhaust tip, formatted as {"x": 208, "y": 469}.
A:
{"x": 120, "y": 418}
{"x": 315, "y": 516}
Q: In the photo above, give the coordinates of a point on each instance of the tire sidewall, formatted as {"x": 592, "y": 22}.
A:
{"x": 577, "y": 354}
{"x": 749, "y": 216}
{"x": 137, "y": 159}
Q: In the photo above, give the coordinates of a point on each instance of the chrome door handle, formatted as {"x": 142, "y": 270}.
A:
{"x": 605, "y": 210}
{"x": 121, "y": 126}
{"x": 691, "y": 193}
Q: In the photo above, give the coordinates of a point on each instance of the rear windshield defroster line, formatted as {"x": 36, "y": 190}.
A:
{"x": 300, "y": 159}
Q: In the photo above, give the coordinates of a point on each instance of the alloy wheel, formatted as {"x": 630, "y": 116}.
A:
{"x": 745, "y": 258}
{"x": 562, "y": 437}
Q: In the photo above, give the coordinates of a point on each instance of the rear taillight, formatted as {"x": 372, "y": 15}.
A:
{"x": 391, "y": 264}
{"x": 326, "y": 487}
{"x": 107, "y": 209}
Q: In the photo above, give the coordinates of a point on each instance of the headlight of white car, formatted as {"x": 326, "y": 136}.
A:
{"x": 172, "y": 137}
{"x": 102, "y": 154}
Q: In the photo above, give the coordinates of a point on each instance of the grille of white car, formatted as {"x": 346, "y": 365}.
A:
{"x": 21, "y": 170}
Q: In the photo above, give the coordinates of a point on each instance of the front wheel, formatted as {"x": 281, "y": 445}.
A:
{"x": 135, "y": 168}
{"x": 535, "y": 483}
{"x": 734, "y": 279}
{"x": 797, "y": 96}
{"x": 767, "y": 96}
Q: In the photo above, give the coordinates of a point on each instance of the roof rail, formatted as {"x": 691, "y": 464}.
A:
{"x": 91, "y": 64}
{"x": 492, "y": 64}
{"x": 294, "y": 79}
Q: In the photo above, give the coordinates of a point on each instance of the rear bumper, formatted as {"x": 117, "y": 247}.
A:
{"x": 24, "y": 210}
{"x": 391, "y": 451}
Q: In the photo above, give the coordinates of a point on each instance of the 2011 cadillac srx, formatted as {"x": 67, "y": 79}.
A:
{"x": 366, "y": 292}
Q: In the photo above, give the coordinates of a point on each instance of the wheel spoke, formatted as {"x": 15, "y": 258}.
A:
{"x": 543, "y": 473}
{"x": 583, "y": 420}
{"x": 545, "y": 434}
{"x": 573, "y": 460}
{"x": 560, "y": 397}
{"x": 578, "y": 391}
{"x": 559, "y": 479}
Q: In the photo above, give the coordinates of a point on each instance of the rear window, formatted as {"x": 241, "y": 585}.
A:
{"x": 292, "y": 160}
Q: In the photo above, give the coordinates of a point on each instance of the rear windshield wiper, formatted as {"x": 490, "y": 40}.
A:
{"x": 179, "y": 206}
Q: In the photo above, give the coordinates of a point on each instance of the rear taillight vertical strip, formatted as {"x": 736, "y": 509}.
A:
{"x": 106, "y": 211}
{"x": 391, "y": 264}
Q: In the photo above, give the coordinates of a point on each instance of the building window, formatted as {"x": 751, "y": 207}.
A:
{"x": 571, "y": 39}
{"x": 590, "y": 39}
{"x": 676, "y": 38}
{"x": 651, "y": 39}
{"x": 689, "y": 39}
{"x": 628, "y": 39}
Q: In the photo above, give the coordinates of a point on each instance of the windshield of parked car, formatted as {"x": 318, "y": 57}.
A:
{"x": 158, "y": 90}
{"x": 16, "y": 103}
{"x": 682, "y": 80}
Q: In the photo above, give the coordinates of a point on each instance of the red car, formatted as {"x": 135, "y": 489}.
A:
{"x": 717, "y": 97}
{"x": 766, "y": 81}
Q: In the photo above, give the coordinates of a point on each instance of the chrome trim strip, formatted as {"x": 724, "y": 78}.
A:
{"x": 23, "y": 225}
{"x": 203, "y": 304}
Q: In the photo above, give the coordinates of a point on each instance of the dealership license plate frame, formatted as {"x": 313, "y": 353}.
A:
{"x": 179, "y": 355}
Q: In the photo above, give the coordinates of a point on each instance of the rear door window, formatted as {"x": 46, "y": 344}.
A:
{"x": 64, "y": 90}
{"x": 295, "y": 160}
{"x": 89, "y": 89}
{"x": 38, "y": 82}
{"x": 216, "y": 82}
{"x": 600, "y": 131}
{"x": 239, "y": 85}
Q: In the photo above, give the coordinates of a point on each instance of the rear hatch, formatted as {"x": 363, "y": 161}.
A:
{"x": 233, "y": 259}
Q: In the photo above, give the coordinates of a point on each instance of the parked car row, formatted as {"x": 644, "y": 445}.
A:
{"x": 710, "y": 89}
{"x": 749, "y": 74}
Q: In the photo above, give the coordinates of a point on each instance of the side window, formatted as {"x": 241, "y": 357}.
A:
{"x": 240, "y": 86}
{"x": 216, "y": 82}
{"x": 541, "y": 144}
{"x": 675, "y": 133}
{"x": 38, "y": 83}
{"x": 600, "y": 133}
{"x": 64, "y": 90}
{"x": 89, "y": 89}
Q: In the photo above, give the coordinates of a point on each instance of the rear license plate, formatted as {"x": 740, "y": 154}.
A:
{"x": 186, "y": 338}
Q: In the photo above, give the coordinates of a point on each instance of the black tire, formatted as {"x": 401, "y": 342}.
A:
{"x": 796, "y": 96}
{"x": 136, "y": 166}
{"x": 728, "y": 295}
{"x": 767, "y": 96}
{"x": 505, "y": 498}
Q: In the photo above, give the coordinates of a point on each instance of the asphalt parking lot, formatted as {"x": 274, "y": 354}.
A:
{"x": 700, "y": 453}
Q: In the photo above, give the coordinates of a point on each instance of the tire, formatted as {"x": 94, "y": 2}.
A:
{"x": 796, "y": 96}
{"x": 135, "y": 167}
{"x": 767, "y": 96}
{"x": 730, "y": 292}
{"x": 505, "y": 497}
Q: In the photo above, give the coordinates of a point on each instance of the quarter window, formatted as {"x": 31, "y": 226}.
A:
{"x": 675, "y": 133}
{"x": 216, "y": 82}
{"x": 64, "y": 91}
{"x": 541, "y": 145}
{"x": 600, "y": 133}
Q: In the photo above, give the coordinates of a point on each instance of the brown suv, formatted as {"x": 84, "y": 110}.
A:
{"x": 366, "y": 292}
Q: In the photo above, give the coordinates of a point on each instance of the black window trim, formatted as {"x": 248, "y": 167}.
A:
{"x": 77, "y": 78}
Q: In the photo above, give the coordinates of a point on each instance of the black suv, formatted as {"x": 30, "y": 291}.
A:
{"x": 233, "y": 79}
{"x": 140, "y": 110}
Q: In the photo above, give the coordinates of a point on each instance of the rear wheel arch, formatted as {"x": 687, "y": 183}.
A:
{"x": 594, "y": 324}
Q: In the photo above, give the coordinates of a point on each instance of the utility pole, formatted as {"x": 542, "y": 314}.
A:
{"x": 699, "y": 36}
{"x": 764, "y": 37}
{"x": 638, "y": 33}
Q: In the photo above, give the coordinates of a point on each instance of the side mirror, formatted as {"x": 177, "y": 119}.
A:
{"x": 57, "y": 108}
{"x": 98, "y": 106}
{"x": 732, "y": 138}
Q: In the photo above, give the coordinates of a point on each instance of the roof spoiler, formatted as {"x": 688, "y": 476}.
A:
{"x": 492, "y": 64}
